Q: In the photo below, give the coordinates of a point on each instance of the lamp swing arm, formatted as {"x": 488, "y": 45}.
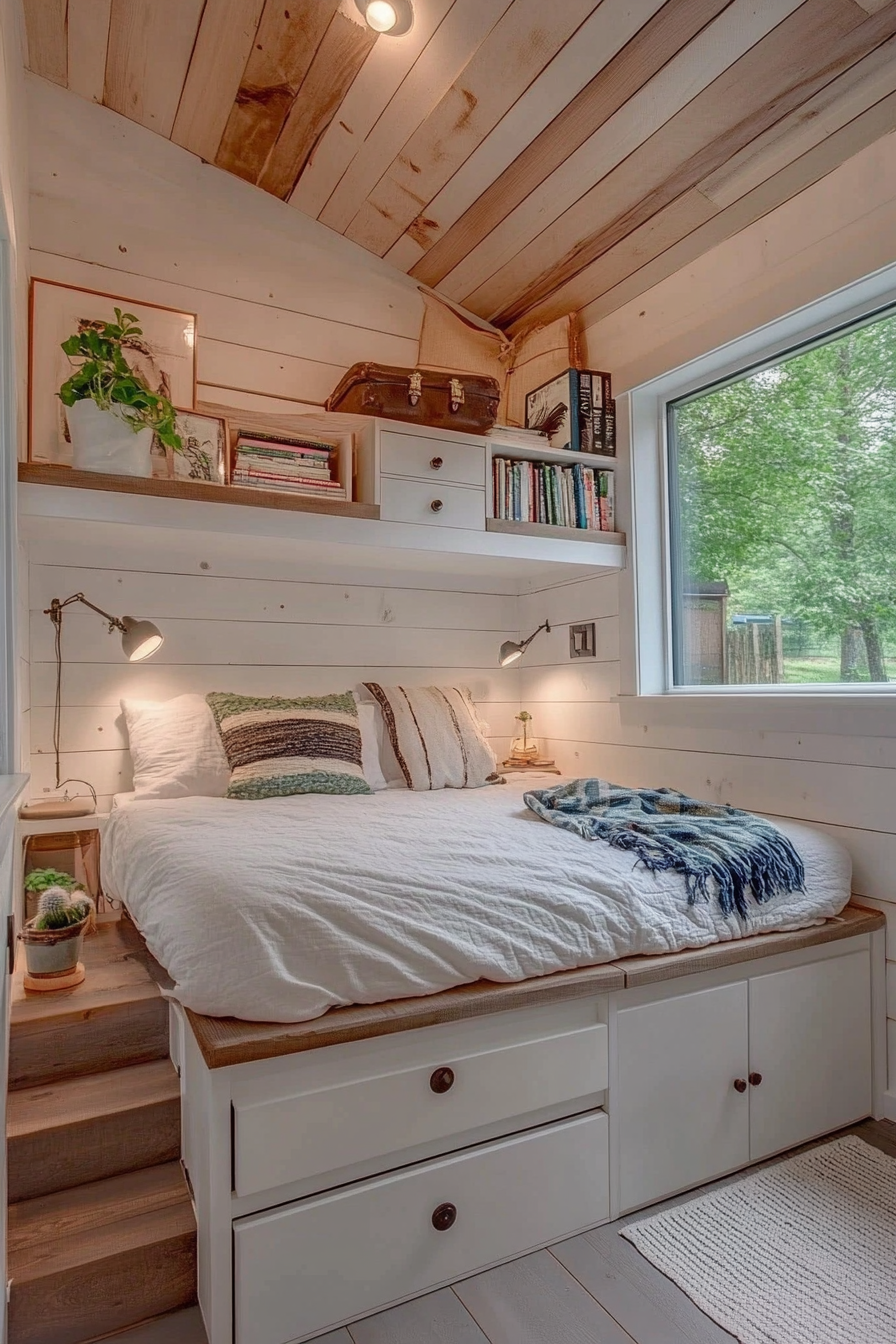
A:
{"x": 546, "y": 626}
{"x": 54, "y": 611}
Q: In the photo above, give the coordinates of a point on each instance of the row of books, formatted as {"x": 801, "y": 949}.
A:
{"x": 546, "y": 492}
{"x": 294, "y": 465}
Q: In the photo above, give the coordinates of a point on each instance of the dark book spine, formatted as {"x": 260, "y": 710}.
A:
{"x": 586, "y": 427}
{"x": 610, "y": 429}
{"x": 575, "y": 422}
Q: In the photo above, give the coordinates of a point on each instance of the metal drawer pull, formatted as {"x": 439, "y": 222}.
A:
{"x": 755, "y": 1079}
{"x": 740, "y": 1084}
{"x": 437, "y": 506}
{"x": 442, "y": 1080}
{"x": 435, "y": 463}
{"x": 444, "y": 1217}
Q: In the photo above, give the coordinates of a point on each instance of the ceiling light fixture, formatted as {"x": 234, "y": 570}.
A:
{"x": 392, "y": 17}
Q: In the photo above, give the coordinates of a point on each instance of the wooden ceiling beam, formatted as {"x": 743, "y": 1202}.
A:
{"x": 289, "y": 34}
{"x": 839, "y": 103}
{"x": 736, "y": 29}
{"x": 381, "y": 76}
{"x": 223, "y": 45}
{"x": 88, "y": 42}
{"x": 815, "y": 44}
{"x": 150, "y": 46}
{"x": 676, "y": 23}
{"x": 46, "y": 36}
{"x": 340, "y": 56}
{"x": 788, "y": 182}
{"x": 465, "y": 26}
{"x": 514, "y": 54}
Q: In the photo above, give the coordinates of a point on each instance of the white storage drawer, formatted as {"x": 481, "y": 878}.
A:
{"x": 311, "y": 1265}
{"x": 290, "y": 1138}
{"x": 432, "y": 459}
{"x": 436, "y": 503}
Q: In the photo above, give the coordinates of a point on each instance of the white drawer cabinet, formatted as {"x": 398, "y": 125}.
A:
{"x": 432, "y": 459}
{"x": 290, "y": 1138}
{"x": 712, "y": 1080}
{"x": 409, "y": 501}
{"x": 304, "y": 1268}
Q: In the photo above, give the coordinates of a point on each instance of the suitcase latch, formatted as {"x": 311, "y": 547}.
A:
{"x": 457, "y": 393}
{"x": 415, "y": 387}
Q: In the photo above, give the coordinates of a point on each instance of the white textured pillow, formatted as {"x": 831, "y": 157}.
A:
{"x": 175, "y": 748}
{"x": 437, "y": 737}
{"x": 370, "y": 745}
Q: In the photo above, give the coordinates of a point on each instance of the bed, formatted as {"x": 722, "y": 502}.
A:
{"x": 278, "y": 910}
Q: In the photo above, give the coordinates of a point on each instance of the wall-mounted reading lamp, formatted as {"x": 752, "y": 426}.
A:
{"x": 139, "y": 640}
{"x": 511, "y": 650}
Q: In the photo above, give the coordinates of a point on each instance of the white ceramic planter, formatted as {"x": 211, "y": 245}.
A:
{"x": 104, "y": 441}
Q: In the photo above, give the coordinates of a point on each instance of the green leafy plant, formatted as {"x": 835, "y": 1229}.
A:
{"x": 103, "y": 375}
{"x": 60, "y": 909}
{"x": 42, "y": 878}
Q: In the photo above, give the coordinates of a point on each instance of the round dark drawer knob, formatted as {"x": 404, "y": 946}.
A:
{"x": 442, "y": 1080}
{"x": 740, "y": 1084}
{"x": 435, "y": 463}
{"x": 444, "y": 1217}
{"x": 437, "y": 506}
{"x": 755, "y": 1079}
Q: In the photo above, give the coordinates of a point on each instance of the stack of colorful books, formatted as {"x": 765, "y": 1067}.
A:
{"x": 291, "y": 464}
{"x": 546, "y": 492}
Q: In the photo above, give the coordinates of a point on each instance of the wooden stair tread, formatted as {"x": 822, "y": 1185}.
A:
{"x": 115, "y": 1018}
{"x": 56, "y": 1233}
{"x": 120, "y": 969}
{"x": 35, "y": 1110}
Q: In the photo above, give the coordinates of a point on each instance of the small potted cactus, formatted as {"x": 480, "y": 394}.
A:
{"x": 40, "y": 880}
{"x": 53, "y": 939}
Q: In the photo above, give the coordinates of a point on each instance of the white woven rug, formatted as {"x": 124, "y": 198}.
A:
{"x": 803, "y": 1252}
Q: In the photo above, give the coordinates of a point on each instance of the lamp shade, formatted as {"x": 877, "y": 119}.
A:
{"x": 141, "y": 639}
{"x": 509, "y": 653}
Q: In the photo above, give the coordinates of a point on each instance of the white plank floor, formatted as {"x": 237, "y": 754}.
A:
{"x": 591, "y": 1289}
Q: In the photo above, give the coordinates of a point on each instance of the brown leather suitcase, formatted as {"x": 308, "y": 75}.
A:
{"x": 464, "y": 401}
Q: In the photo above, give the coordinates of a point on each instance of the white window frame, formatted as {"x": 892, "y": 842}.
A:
{"x": 647, "y": 691}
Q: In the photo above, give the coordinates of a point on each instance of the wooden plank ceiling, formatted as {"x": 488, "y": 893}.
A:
{"x": 524, "y": 157}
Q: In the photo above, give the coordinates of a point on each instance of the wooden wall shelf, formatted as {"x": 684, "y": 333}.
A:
{"x": 47, "y": 473}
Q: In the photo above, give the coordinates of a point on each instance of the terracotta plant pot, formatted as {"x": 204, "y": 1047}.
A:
{"x": 53, "y": 956}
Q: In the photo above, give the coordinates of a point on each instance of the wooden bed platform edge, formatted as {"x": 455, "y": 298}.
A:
{"x": 225, "y": 1041}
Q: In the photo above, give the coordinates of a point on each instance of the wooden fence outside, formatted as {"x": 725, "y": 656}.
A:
{"x": 755, "y": 654}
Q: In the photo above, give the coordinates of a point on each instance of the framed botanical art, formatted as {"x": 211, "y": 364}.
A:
{"x": 164, "y": 355}
{"x": 203, "y": 456}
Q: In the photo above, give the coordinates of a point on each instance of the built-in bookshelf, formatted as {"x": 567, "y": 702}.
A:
{"x": 572, "y": 494}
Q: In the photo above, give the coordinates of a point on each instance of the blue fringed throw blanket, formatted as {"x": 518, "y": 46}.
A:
{"x": 668, "y": 830}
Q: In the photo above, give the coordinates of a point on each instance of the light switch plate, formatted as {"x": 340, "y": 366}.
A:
{"x": 581, "y": 640}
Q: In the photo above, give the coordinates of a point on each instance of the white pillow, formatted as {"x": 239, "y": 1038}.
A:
{"x": 175, "y": 748}
{"x": 370, "y": 746}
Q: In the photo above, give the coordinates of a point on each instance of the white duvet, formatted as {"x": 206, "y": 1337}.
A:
{"x": 277, "y": 910}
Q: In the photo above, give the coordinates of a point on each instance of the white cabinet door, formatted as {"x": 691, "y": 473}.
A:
{"x": 679, "y": 1117}
{"x": 810, "y": 1044}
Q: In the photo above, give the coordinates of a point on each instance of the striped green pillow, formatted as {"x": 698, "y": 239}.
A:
{"x": 278, "y": 747}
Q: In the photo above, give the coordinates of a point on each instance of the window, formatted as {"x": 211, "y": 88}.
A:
{"x": 782, "y": 518}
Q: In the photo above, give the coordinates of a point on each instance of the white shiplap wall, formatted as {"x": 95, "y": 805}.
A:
{"x": 829, "y": 235}
{"x": 284, "y": 305}
{"x": 258, "y": 628}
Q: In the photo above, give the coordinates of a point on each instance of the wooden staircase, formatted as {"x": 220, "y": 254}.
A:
{"x": 101, "y": 1228}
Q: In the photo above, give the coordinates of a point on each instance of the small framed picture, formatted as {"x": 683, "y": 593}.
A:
{"x": 203, "y": 456}
{"x": 163, "y": 354}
